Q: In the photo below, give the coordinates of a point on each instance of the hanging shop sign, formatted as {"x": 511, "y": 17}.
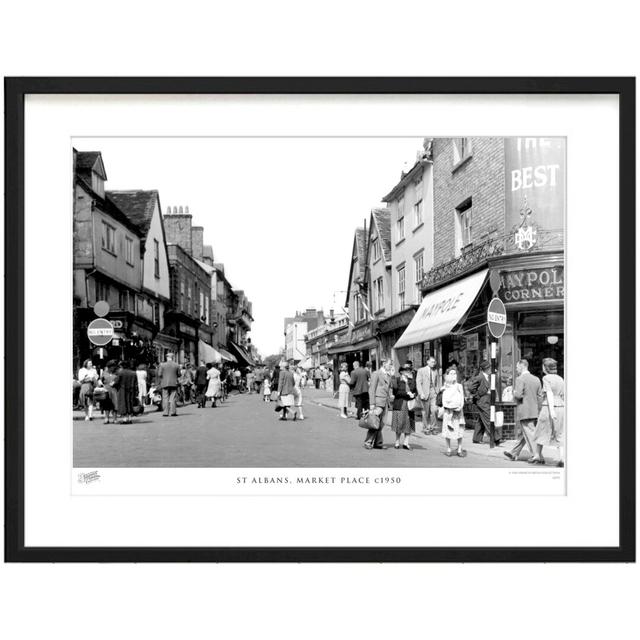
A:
{"x": 535, "y": 188}
{"x": 496, "y": 318}
{"x": 533, "y": 285}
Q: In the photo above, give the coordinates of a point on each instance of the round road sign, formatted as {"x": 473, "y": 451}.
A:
{"x": 101, "y": 308}
{"x": 496, "y": 318}
{"x": 100, "y": 332}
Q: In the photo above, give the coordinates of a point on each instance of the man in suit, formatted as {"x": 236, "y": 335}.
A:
{"x": 286, "y": 388}
{"x": 428, "y": 383}
{"x": 379, "y": 397}
{"x": 201, "y": 383}
{"x": 360, "y": 388}
{"x": 480, "y": 390}
{"x": 168, "y": 374}
{"x": 526, "y": 394}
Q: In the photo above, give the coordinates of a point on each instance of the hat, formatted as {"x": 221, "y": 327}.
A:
{"x": 485, "y": 364}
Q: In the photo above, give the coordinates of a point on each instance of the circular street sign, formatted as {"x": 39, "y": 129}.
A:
{"x": 496, "y": 318}
{"x": 100, "y": 332}
{"x": 101, "y": 308}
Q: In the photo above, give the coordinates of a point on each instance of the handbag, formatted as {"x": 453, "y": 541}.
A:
{"x": 364, "y": 420}
{"x": 411, "y": 405}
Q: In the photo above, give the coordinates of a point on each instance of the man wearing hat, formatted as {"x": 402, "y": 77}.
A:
{"x": 480, "y": 390}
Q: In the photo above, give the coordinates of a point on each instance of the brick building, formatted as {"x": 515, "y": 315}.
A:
{"x": 499, "y": 210}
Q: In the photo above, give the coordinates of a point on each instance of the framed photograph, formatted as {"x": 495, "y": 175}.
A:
{"x": 320, "y": 319}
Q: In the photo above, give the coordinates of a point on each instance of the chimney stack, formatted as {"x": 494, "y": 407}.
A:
{"x": 177, "y": 227}
{"x": 197, "y": 239}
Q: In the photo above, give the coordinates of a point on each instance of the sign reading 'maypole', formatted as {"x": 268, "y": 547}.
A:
{"x": 497, "y": 318}
{"x": 100, "y": 332}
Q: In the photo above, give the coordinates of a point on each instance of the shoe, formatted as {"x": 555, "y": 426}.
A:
{"x": 367, "y": 445}
{"x": 378, "y": 446}
{"x": 534, "y": 461}
{"x": 295, "y": 418}
{"x": 509, "y": 455}
{"x": 407, "y": 447}
{"x": 343, "y": 416}
{"x": 282, "y": 419}
{"x": 448, "y": 453}
{"x": 396, "y": 445}
{"x": 462, "y": 454}
{"x": 165, "y": 415}
{"x": 86, "y": 418}
{"x": 560, "y": 464}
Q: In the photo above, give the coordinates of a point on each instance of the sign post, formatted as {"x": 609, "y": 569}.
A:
{"x": 100, "y": 332}
{"x": 497, "y": 323}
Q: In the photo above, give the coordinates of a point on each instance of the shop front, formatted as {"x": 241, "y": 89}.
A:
{"x": 390, "y": 330}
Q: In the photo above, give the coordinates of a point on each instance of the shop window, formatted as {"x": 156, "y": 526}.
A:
{"x": 506, "y": 366}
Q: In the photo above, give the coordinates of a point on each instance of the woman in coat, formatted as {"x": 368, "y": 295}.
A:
{"x": 110, "y": 402}
{"x": 214, "y": 387}
{"x": 379, "y": 400}
{"x": 452, "y": 406}
{"x": 286, "y": 388}
{"x": 550, "y": 427}
{"x": 126, "y": 384}
{"x": 344, "y": 390}
{"x": 87, "y": 377}
{"x": 403, "y": 389}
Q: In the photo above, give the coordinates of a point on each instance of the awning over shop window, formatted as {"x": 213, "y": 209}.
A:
{"x": 207, "y": 354}
{"x": 226, "y": 355}
{"x": 442, "y": 310}
{"x": 371, "y": 343}
{"x": 243, "y": 357}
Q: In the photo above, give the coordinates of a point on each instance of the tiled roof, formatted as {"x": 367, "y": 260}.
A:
{"x": 86, "y": 159}
{"x": 382, "y": 219}
{"x": 109, "y": 207}
{"x": 137, "y": 205}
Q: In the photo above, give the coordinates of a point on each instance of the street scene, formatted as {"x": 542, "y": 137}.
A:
{"x": 221, "y": 333}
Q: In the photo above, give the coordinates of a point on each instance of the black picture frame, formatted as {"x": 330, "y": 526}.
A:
{"x": 15, "y": 91}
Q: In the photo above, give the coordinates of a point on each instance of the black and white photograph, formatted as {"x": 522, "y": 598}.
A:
{"x": 319, "y": 302}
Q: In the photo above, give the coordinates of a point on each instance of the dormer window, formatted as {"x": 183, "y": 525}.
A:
{"x": 97, "y": 184}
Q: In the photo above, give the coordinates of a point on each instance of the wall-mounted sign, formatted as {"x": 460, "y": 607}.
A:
{"x": 117, "y": 324}
{"x": 533, "y": 285}
{"x": 535, "y": 188}
{"x": 472, "y": 341}
{"x": 188, "y": 330}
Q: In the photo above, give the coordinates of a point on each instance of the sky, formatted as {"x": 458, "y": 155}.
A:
{"x": 280, "y": 213}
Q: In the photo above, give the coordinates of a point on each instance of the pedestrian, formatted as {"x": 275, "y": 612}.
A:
{"x": 344, "y": 390}
{"x": 266, "y": 390}
{"x": 480, "y": 390}
{"x": 187, "y": 383}
{"x": 453, "y": 415}
{"x": 250, "y": 380}
{"x": 428, "y": 384}
{"x": 200, "y": 380}
{"x": 403, "y": 390}
{"x": 110, "y": 401}
{"x": 550, "y": 427}
{"x": 317, "y": 377}
{"x": 411, "y": 405}
{"x": 380, "y": 398}
{"x": 275, "y": 382}
{"x": 527, "y": 394}
{"x": 259, "y": 379}
{"x": 87, "y": 377}
{"x": 325, "y": 377}
{"x": 286, "y": 385}
{"x": 303, "y": 378}
{"x": 360, "y": 388}
{"x": 168, "y": 382}
{"x": 237, "y": 375}
{"x": 126, "y": 384}
{"x": 141, "y": 375}
{"x": 297, "y": 394}
{"x": 214, "y": 387}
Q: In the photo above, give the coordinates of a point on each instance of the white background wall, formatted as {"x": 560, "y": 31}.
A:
{"x": 316, "y": 601}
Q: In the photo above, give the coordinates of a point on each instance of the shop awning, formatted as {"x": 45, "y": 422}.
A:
{"x": 207, "y": 354}
{"x": 242, "y": 356}
{"x": 371, "y": 343}
{"x": 442, "y": 310}
{"x": 226, "y": 355}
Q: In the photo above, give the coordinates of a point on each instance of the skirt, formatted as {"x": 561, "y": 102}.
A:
{"x": 343, "y": 396}
{"x": 86, "y": 394}
{"x": 401, "y": 422}
{"x": 453, "y": 424}
{"x": 542, "y": 434}
{"x": 287, "y": 401}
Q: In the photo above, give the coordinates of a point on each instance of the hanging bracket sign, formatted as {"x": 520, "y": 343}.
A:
{"x": 497, "y": 318}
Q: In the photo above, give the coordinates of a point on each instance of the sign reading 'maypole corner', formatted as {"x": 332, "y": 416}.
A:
{"x": 497, "y": 318}
{"x": 100, "y": 332}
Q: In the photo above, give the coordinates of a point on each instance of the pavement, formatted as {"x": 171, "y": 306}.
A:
{"x": 244, "y": 431}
